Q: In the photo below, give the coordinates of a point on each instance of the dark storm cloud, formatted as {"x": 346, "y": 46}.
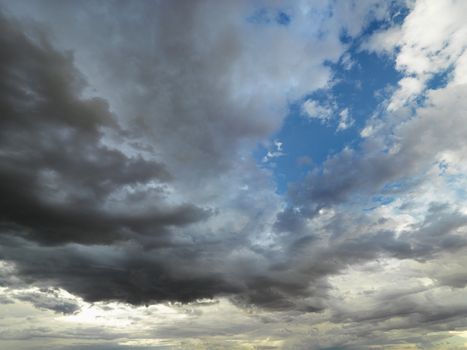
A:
{"x": 139, "y": 275}
{"x": 56, "y": 173}
{"x": 57, "y": 179}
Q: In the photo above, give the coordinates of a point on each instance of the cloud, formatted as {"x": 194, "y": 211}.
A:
{"x": 386, "y": 158}
{"x": 325, "y": 112}
{"x": 48, "y": 299}
{"x": 315, "y": 110}
{"x": 333, "y": 216}
{"x": 57, "y": 175}
{"x": 429, "y": 41}
{"x": 278, "y": 152}
{"x": 345, "y": 120}
{"x": 136, "y": 191}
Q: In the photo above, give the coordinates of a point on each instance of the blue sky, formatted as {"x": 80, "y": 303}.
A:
{"x": 360, "y": 82}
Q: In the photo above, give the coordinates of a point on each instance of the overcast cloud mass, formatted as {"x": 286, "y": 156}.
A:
{"x": 233, "y": 175}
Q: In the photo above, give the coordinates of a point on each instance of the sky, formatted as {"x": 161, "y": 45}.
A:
{"x": 233, "y": 175}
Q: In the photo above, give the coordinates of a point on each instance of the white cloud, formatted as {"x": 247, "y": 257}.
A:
{"x": 325, "y": 112}
{"x": 430, "y": 41}
{"x": 315, "y": 110}
{"x": 460, "y": 71}
{"x": 384, "y": 41}
{"x": 345, "y": 120}
{"x": 278, "y": 152}
{"x": 409, "y": 88}
{"x": 347, "y": 61}
{"x": 366, "y": 131}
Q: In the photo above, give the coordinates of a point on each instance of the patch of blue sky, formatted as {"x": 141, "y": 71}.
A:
{"x": 383, "y": 200}
{"x": 265, "y": 16}
{"x": 359, "y": 89}
{"x": 443, "y": 167}
{"x": 395, "y": 187}
{"x": 461, "y": 193}
{"x": 396, "y": 16}
{"x": 368, "y": 204}
{"x": 440, "y": 79}
{"x": 457, "y": 183}
{"x": 360, "y": 83}
{"x": 283, "y": 18}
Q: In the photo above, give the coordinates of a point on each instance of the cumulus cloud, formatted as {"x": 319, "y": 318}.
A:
{"x": 327, "y": 111}
{"x": 315, "y": 110}
{"x": 345, "y": 120}
{"x": 429, "y": 41}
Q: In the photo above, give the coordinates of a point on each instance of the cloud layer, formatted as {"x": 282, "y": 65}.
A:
{"x": 128, "y": 176}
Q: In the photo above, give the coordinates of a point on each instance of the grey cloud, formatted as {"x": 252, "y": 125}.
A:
{"x": 64, "y": 185}
{"x": 56, "y": 174}
{"x": 205, "y": 83}
{"x": 6, "y": 300}
{"x": 138, "y": 275}
{"x": 127, "y": 274}
{"x": 114, "y": 346}
{"x": 403, "y": 318}
{"x": 48, "y": 299}
{"x": 353, "y": 239}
